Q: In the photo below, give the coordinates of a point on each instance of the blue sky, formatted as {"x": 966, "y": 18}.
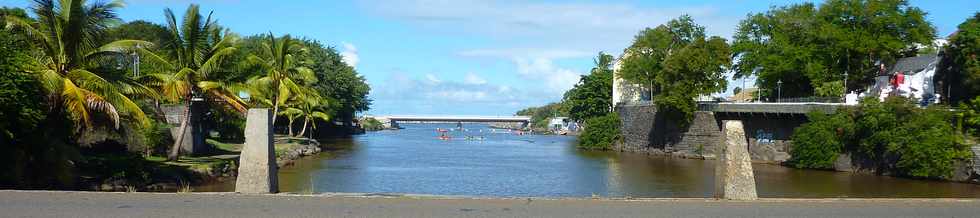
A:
{"x": 466, "y": 57}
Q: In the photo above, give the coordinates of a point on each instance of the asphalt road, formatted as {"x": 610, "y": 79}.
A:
{"x": 96, "y": 204}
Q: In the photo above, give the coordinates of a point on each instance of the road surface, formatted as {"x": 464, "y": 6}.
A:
{"x": 95, "y": 204}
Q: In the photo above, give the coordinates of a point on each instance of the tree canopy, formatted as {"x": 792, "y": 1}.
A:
{"x": 962, "y": 53}
{"x": 810, "y": 48}
{"x": 677, "y": 63}
{"x": 337, "y": 80}
{"x": 592, "y": 95}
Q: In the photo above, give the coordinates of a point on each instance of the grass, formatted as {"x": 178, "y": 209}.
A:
{"x": 229, "y": 147}
{"x": 199, "y": 164}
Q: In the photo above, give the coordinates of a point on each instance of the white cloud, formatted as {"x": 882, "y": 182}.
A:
{"x": 431, "y": 89}
{"x": 526, "y": 52}
{"x": 472, "y": 78}
{"x": 432, "y": 78}
{"x": 557, "y": 79}
{"x": 583, "y": 26}
{"x": 350, "y": 54}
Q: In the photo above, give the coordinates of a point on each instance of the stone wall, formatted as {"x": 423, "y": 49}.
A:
{"x": 637, "y": 128}
{"x": 646, "y": 131}
{"x": 193, "y": 142}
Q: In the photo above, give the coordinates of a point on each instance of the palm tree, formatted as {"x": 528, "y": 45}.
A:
{"x": 191, "y": 62}
{"x": 314, "y": 109}
{"x": 67, "y": 33}
{"x": 309, "y": 105}
{"x": 284, "y": 75}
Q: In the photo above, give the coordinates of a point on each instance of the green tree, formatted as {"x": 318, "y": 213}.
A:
{"x": 66, "y": 33}
{"x": 284, "y": 74}
{"x": 962, "y": 52}
{"x": 810, "y": 49}
{"x": 678, "y": 64}
{"x": 309, "y": 105}
{"x": 540, "y": 115}
{"x": 644, "y": 60}
{"x": 140, "y": 30}
{"x": 592, "y": 95}
{"x": 189, "y": 63}
{"x": 34, "y": 152}
{"x": 695, "y": 70}
{"x": 337, "y": 80}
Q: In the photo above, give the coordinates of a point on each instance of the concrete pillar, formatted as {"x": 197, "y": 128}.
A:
{"x": 257, "y": 169}
{"x": 734, "y": 179}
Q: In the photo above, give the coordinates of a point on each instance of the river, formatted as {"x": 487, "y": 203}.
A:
{"x": 414, "y": 160}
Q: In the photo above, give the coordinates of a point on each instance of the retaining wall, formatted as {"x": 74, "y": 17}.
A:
{"x": 645, "y": 130}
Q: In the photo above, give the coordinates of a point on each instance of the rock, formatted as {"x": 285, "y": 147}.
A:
{"x": 734, "y": 179}
{"x": 767, "y": 153}
{"x": 257, "y": 171}
{"x": 844, "y": 163}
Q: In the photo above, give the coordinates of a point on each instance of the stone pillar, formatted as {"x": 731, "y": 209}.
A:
{"x": 734, "y": 179}
{"x": 257, "y": 169}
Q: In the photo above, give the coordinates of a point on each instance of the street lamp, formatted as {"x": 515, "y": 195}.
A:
{"x": 779, "y": 90}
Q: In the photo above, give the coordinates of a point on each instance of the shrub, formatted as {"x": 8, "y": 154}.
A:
{"x": 895, "y": 136}
{"x": 817, "y": 143}
{"x": 371, "y": 124}
{"x": 156, "y": 137}
{"x": 600, "y": 132}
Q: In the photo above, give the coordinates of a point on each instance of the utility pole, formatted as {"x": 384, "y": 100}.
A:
{"x": 136, "y": 63}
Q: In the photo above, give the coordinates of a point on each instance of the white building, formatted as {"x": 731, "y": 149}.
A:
{"x": 625, "y": 92}
{"x": 910, "y": 77}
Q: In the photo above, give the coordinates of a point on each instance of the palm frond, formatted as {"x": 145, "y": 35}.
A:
{"x": 214, "y": 63}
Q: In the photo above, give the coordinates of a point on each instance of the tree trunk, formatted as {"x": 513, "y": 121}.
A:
{"x": 291, "y": 127}
{"x": 275, "y": 112}
{"x": 303, "y": 130}
{"x": 175, "y": 149}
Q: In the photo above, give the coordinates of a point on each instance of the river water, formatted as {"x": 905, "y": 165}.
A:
{"x": 414, "y": 160}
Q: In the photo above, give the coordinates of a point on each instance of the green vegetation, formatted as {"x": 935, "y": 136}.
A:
{"x": 601, "y": 133}
{"x": 68, "y": 38}
{"x": 962, "y": 57}
{"x": 371, "y": 124}
{"x": 895, "y": 136}
{"x": 678, "y": 64}
{"x": 75, "y": 106}
{"x": 592, "y": 96}
{"x": 810, "y": 48}
{"x": 816, "y": 144}
{"x": 540, "y": 115}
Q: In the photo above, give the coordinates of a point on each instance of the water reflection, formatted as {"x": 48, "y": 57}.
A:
{"x": 413, "y": 160}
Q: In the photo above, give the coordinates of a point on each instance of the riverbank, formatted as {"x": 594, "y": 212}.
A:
{"x": 69, "y": 204}
{"x": 159, "y": 175}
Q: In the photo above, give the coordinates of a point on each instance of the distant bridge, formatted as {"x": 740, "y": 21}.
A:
{"x": 392, "y": 120}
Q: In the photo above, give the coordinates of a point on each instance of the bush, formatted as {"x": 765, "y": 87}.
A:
{"x": 156, "y": 137}
{"x": 371, "y": 124}
{"x": 600, "y": 132}
{"x": 907, "y": 140}
{"x": 895, "y": 136}
{"x": 817, "y": 143}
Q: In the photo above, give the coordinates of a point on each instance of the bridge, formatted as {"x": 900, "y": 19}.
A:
{"x": 391, "y": 121}
{"x": 787, "y": 108}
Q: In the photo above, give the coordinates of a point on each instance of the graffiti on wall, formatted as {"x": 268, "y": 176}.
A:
{"x": 764, "y": 137}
